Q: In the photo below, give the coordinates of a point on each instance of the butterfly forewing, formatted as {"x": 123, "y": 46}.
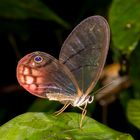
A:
{"x": 45, "y": 77}
{"x": 84, "y": 51}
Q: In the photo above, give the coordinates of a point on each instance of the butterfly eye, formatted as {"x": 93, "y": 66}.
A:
{"x": 38, "y": 59}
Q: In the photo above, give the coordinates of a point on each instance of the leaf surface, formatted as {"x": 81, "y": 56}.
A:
{"x": 41, "y": 126}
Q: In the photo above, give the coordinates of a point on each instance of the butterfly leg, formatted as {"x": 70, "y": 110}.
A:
{"x": 62, "y": 109}
{"x": 84, "y": 111}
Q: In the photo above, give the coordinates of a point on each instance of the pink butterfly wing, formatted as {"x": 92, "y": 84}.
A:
{"x": 43, "y": 75}
{"x": 84, "y": 51}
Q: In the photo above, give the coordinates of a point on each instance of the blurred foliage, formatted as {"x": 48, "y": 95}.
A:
{"x": 135, "y": 70}
{"x": 41, "y": 105}
{"x": 125, "y": 25}
{"x": 133, "y": 112}
{"x": 24, "y": 9}
{"x": 27, "y": 26}
{"x": 37, "y": 126}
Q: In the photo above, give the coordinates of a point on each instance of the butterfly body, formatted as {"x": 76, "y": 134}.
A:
{"x": 75, "y": 101}
{"x": 72, "y": 77}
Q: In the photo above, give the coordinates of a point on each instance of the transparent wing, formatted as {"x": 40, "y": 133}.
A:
{"x": 43, "y": 75}
{"x": 84, "y": 51}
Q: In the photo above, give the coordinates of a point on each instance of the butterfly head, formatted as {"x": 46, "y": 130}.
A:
{"x": 30, "y": 72}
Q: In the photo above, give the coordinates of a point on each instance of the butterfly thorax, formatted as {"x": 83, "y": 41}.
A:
{"x": 82, "y": 100}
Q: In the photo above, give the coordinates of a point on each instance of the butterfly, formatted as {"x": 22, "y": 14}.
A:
{"x": 72, "y": 78}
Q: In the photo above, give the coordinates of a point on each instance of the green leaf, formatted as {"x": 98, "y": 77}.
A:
{"x": 124, "y": 18}
{"x": 23, "y": 9}
{"x": 133, "y": 112}
{"x": 41, "y": 126}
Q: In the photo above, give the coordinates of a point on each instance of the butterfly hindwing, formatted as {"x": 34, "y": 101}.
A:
{"x": 43, "y": 75}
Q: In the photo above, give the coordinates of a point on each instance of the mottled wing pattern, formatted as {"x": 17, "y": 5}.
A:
{"x": 46, "y": 78}
{"x": 84, "y": 51}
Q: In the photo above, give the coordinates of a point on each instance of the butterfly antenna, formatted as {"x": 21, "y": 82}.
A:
{"x": 99, "y": 90}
